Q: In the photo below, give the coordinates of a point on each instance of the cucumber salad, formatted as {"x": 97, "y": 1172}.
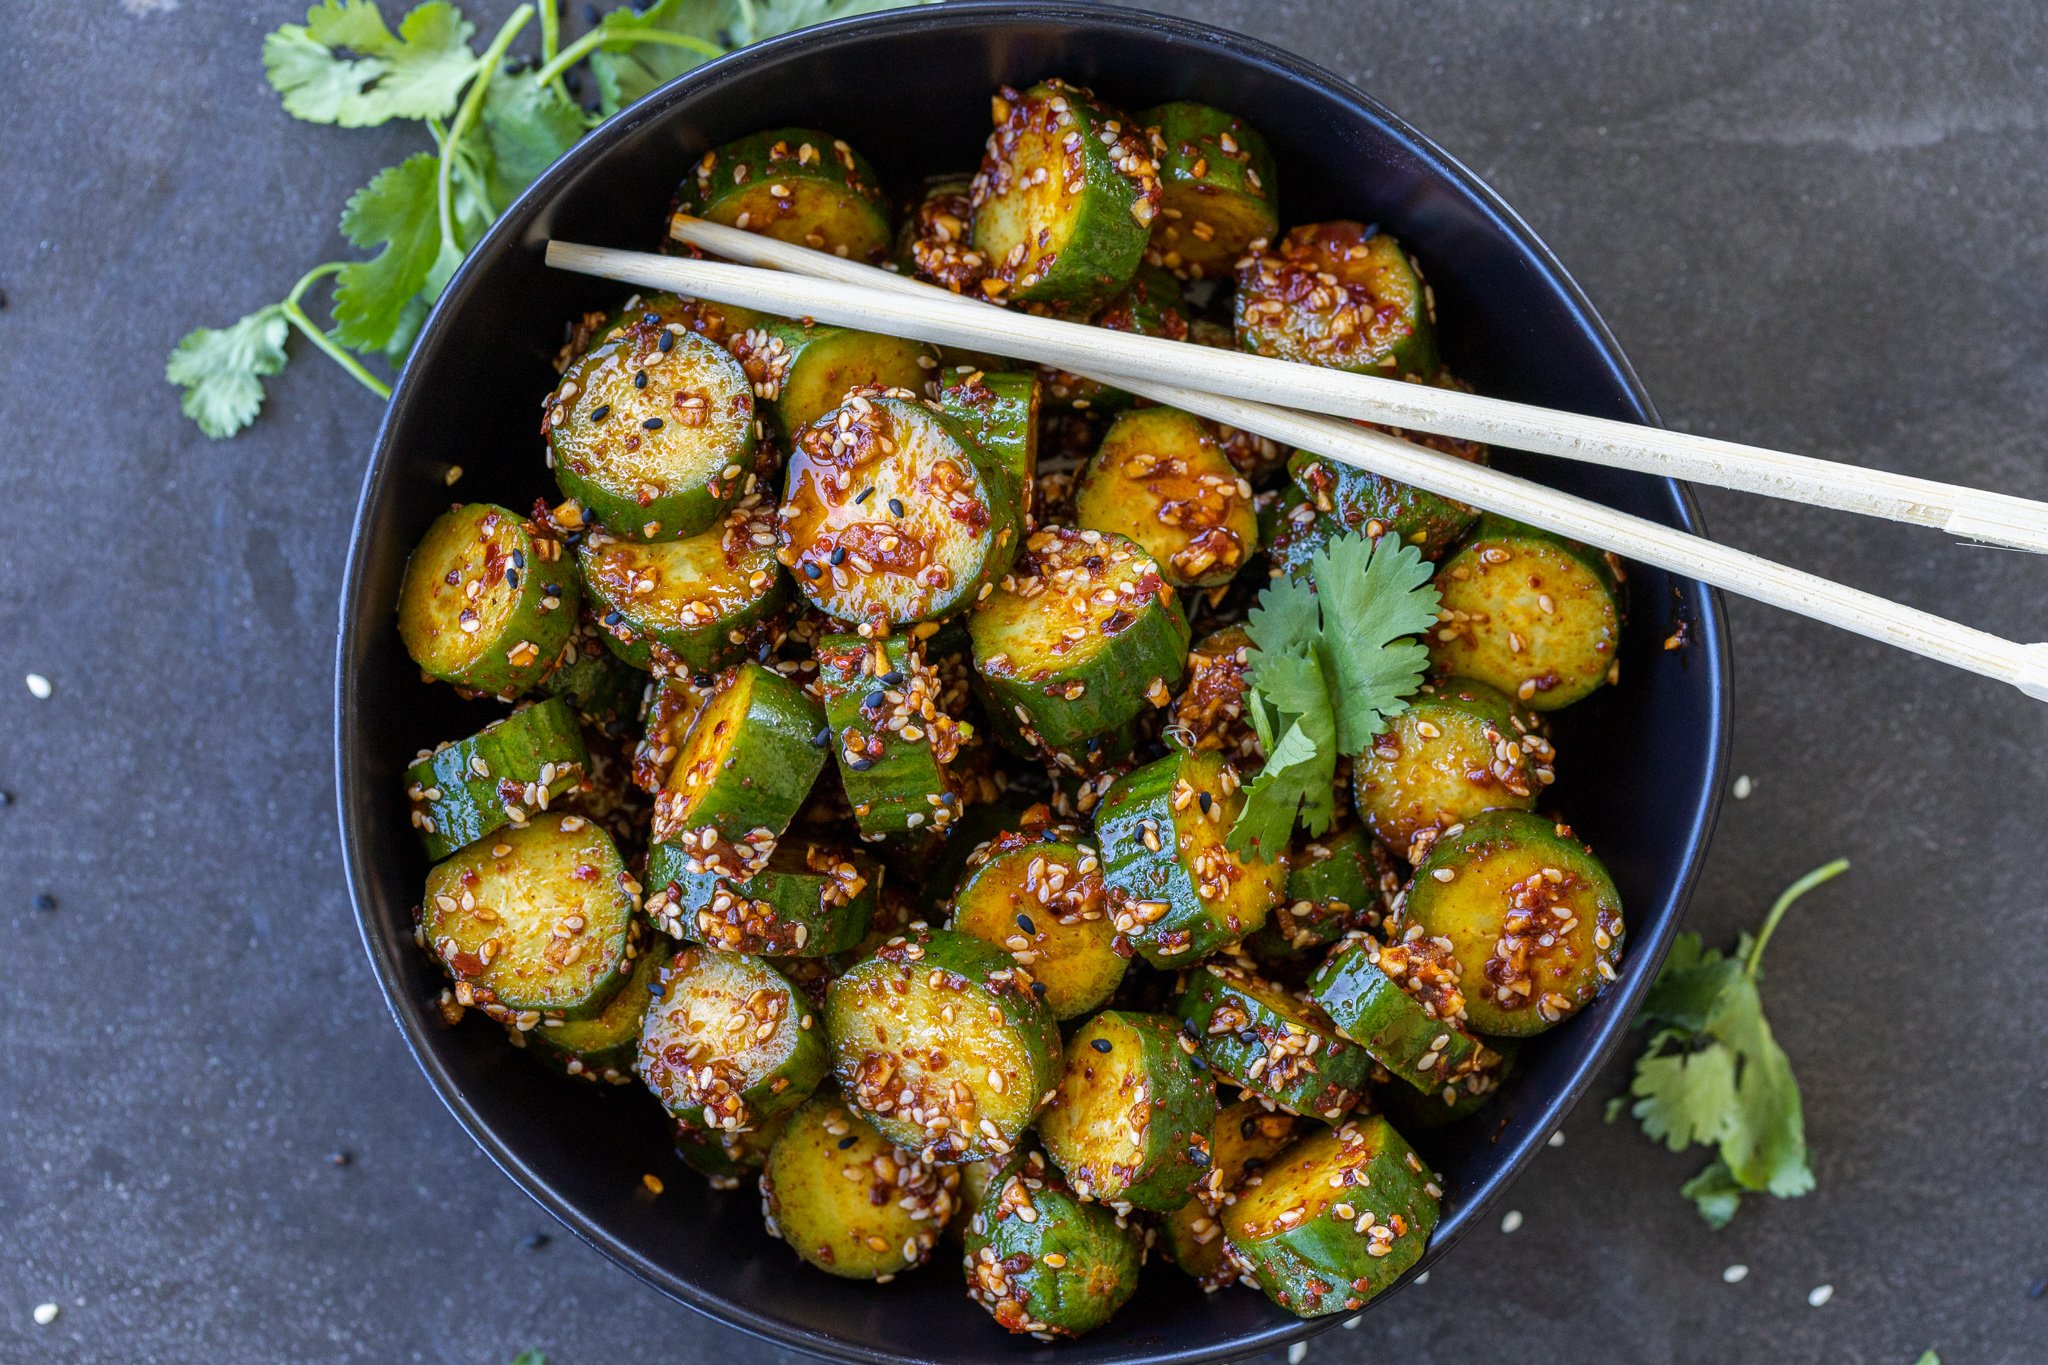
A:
{"x": 879, "y": 717}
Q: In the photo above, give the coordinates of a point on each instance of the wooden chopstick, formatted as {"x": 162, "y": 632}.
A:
{"x": 818, "y": 285}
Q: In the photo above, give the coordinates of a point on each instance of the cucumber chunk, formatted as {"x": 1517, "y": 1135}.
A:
{"x": 810, "y": 900}
{"x": 1335, "y": 884}
{"x": 1064, "y": 200}
{"x": 1161, "y": 478}
{"x": 1044, "y": 1263}
{"x": 795, "y": 185}
{"x": 1401, "y": 1002}
{"x": 511, "y": 768}
{"x": 681, "y": 607}
{"x": 602, "y": 1047}
{"x": 1173, "y": 886}
{"x": 747, "y": 764}
{"x": 895, "y": 746}
{"x": 1329, "y": 499}
{"x": 653, "y": 431}
{"x": 1210, "y": 711}
{"x": 1338, "y": 294}
{"x": 1037, "y": 893}
{"x": 1218, "y": 188}
{"x": 1081, "y": 639}
{"x": 1130, "y": 1119}
{"x": 484, "y": 603}
{"x": 722, "y": 1158}
{"x": 940, "y": 871}
{"x": 939, "y": 1041}
{"x": 729, "y": 1042}
{"x": 1245, "y": 1136}
{"x": 1536, "y": 616}
{"x": 892, "y": 513}
{"x": 849, "y": 1201}
{"x": 1273, "y": 1044}
{"x": 1339, "y": 1216}
{"x": 1417, "y": 1111}
{"x": 1530, "y": 914}
{"x": 1000, "y": 412}
{"x": 1460, "y": 748}
{"x": 803, "y": 370}
{"x": 534, "y": 923}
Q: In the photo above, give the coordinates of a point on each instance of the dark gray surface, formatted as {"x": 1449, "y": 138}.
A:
{"x": 1818, "y": 225}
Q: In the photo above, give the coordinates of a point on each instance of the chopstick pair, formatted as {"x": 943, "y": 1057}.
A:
{"x": 1229, "y": 387}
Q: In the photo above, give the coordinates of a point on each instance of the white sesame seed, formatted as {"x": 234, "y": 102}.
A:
{"x": 1297, "y": 1353}
{"x": 1820, "y": 1295}
{"x": 39, "y": 687}
{"x": 1351, "y": 1324}
{"x": 1557, "y": 1138}
{"x": 1423, "y": 1278}
{"x": 1742, "y": 788}
{"x": 1511, "y": 1220}
{"x": 46, "y": 1313}
{"x": 1735, "y": 1274}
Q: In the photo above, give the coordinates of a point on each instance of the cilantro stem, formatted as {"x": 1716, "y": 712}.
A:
{"x": 465, "y": 117}
{"x": 627, "y": 37}
{"x": 310, "y": 330}
{"x": 550, "y": 30}
{"x": 1792, "y": 893}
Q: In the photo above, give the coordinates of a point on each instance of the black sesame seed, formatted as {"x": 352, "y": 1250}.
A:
{"x": 612, "y": 618}
{"x": 1206, "y": 801}
{"x": 668, "y": 342}
{"x": 874, "y": 701}
{"x": 639, "y": 379}
{"x": 860, "y": 765}
{"x": 945, "y": 799}
{"x": 615, "y": 727}
{"x": 519, "y": 558}
{"x": 864, "y": 495}
{"x": 512, "y": 579}
{"x": 45, "y": 901}
{"x": 651, "y": 319}
{"x": 1247, "y": 1128}
{"x": 1100, "y": 1044}
{"x": 652, "y": 424}
{"x": 552, "y": 589}
{"x": 895, "y": 507}
{"x": 848, "y": 1141}
{"x": 838, "y": 555}
{"x": 1198, "y": 1156}
{"x": 703, "y": 680}
{"x": 823, "y": 737}
{"x": 812, "y": 571}
{"x": 534, "y": 1241}
{"x": 1038, "y": 988}
{"x": 600, "y": 412}
{"x": 1024, "y": 923}
{"x": 892, "y": 679}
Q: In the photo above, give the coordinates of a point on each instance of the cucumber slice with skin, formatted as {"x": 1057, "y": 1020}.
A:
{"x": 849, "y": 1201}
{"x": 795, "y": 185}
{"x": 719, "y": 322}
{"x": 1460, "y": 748}
{"x": 1000, "y": 412}
{"x": 462, "y": 791}
{"x": 1081, "y": 639}
{"x": 811, "y": 900}
{"x": 1335, "y": 884}
{"x": 1333, "y": 499}
{"x": 1210, "y": 711}
{"x": 598, "y": 686}
{"x": 892, "y": 513}
{"x": 803, "y": 370}
{"x": 602, "y": 1048}
{"x": 1530, "y": 914}
{"x": 1273, "y": 1044}
{"x": 668, "y": 710}
{"x": 537, "y": 922}
{"x": 895, "y": 746}
{"x": 653, "y": 432}
{"x": 1245, "y": 1136}
{"x": 1161, "y": 478}
{"x": 1044, "y": 1263}
{"x": 485, "y": 603}
{"x": 1173, "y": 887}
{"x": 1536, "y": 616}
{"x": 1036, "y": 892}
{"x": 681, "y": 607}
{"x": 1064, "y": 200}
{"x": 1150, "y": 305}
{"x": 934, "y": 242}
{"x": 1339, "y": 1216}
{"x": 1129, "y": 1122}
{"x": 1412, "y": 1110}
{"x": 729, "y": 1042}
{"x": 1337, "y": 294}
{"x": 940, "y": 1042}
{"x": 722, "y": 1158}
{"x": 940, "y": 872}
{"x": 1401, "y": 1002}
{"x": 747, "y": 764}
{"x": 1218, "y": 187}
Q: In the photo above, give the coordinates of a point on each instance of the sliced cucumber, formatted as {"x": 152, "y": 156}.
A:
{"x": 602, "y": 1047}
{"x": 729, "y": 1042}
{"x": 722, "y": 1158}
{"x": 1161, "y": 478}
{"x": 1339, "y": 1216}
{"x": 810, "y": 900}
{"x": 681, "y": 607}
{"x": 1000, "y": 412}
{"x": 1334, "y": 499}
{"x": 795, "y": 185}
{"x": 534, "y": 923}
{"x": 1218, "y": 189}
{"x": 1402, "y": 1003}
{"x": 485, "y": 603}
{"x": 1036, "y": 892}
{"x": 1130, "y": 1119}
{"x": 1210, "y": 711}
{"x": 941, "y": 870}
{"x": 1417, "y": 1111}
{"x": 1273, "y": 1044}
{"x": 1335, "y": 884}
{"x": 1536, "y": 616}
{"x": 1530, "y": 914}
{"x": 1150, "y": 305}
{"x": 603, "y": 692}
{"x": 1044, "y": 1263}
{"x": 893, "y": 513}
{"x": 501, "y": 775}
{"x": 668, "y": 710}
{"x": 1337, "y": 294}
{"x": 746, "y": 766}
{"x": 1245, "y": 1136}
{"x": 1460, "y": 748}
{"x": 1081, "y": 639}
{"x": 849, "y": 1201}
{"x": 1064, "y": 200}
{"x": 653, "y": 432}
{"x": 896, "y": 747}
{"x": 803, "y": 370}
{"x": 1173, "y": 887}
{"x": 939, "y": 1041}
{"x": 719, "y": 322}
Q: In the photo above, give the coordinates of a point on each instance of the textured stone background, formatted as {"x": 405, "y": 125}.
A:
{"x": 1816, "y": 223}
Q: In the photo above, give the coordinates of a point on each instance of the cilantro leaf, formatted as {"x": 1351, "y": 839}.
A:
{"x": 641, "y": 50}
{"x": 1685, "y": 992}
{"x": 1299, "y": 773}
{"x": 1765, "y": 1147}
{"x": 222, "y": 369}
{"x": 530, "y": 1356}
{"x": 1685, "y": 1097}
{"x": 345, "y": 66}
{"x": 527, "y": 127}
{"x": 1375, "y": 597}
{"x": 772, "y": 18}
{"x": 1714, "y": 1193}
{"x": 397, "y": 212}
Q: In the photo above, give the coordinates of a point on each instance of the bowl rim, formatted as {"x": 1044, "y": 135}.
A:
{"x": 351, "y": 793}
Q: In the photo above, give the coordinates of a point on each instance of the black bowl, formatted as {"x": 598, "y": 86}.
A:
{"x": 1641, "y": 763}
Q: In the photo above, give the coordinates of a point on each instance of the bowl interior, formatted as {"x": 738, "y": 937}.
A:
{"x": 1640, "y": 764}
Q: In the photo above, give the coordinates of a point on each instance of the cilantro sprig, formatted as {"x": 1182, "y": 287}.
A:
{"x": 1334, "y": 657}
{"x": 495, "y": 122}
{"x": 1714, "y": 1076}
